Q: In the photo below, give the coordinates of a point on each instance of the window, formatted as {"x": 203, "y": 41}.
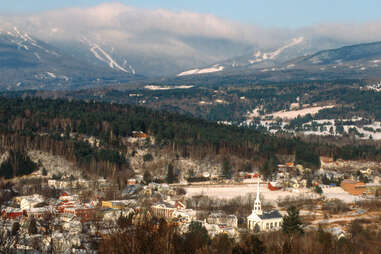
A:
{"x": 271, "y": 225}
{"x": 275, "y": 224}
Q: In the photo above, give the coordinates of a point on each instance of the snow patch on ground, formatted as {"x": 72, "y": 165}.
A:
{"x": 53, "y": 163}
{"x": 232, "y": 191}
{"x": 52, "y": 75}
{"x": 253, "y": 61}
{"x": 205, "y": 103}
{"x": 221, "y": 101}
{"x": 99, "y": 53}
{"x": 375, "y": 87}
{"x": 215, "y": 68}
{"x": 254, "y": 113}
{"x": 25, "y": 37}
{"x": 275, "y": 53}
{"x": 339, "y": 193}
{"x": 153, "y": 87}
{"x": 37, "y": 56}
{"x": 295, "y": 113}
{"x": 259, "y": 57}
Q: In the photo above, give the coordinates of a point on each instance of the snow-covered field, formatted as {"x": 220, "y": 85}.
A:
{"x": 295, "y": 113}
{"x": 339, "y": 193}
{"x": 323, "y": 127}
{"x": 232, "y": 191}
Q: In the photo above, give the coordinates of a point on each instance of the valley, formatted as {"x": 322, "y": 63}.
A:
{"x": 329, "y": 108}
{"x": 165, "y": 127}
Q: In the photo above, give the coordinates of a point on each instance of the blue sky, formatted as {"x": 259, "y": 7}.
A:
{"x": 268, "y": 13}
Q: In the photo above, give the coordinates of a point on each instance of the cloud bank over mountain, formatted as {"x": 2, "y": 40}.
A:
{"x": 187, "y": 38}
{"x": 154, "y": 30}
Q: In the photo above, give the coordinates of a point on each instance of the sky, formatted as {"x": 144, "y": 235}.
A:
{"x": 264, "y": 13}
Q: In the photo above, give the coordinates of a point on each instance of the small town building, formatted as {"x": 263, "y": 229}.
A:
{"x": 12, "y": 213}
{"x": 353, "y": 187}
{"x": 223, "y": 219}
{"x": 250, "y": 177}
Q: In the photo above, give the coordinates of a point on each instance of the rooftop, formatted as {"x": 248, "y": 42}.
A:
{"x": 270, "y": 215}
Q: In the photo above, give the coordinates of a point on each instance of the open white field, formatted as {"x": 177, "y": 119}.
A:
{"x": 339, "y": 193}
{"x": 232, "y": 191}
{"x": 295, "y": 113}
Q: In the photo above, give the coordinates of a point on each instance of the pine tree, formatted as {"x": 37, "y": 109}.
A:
{"x": 254, "y": 245}
{"x": 15, "y": 228}
{"x": 170, "y": 174}
{"x": 291, "y": 222}
{"x": 32, "y": 229}
{"x": 147, "y": 177}
{"x": 318, "y": 190}
{"x": 226, "y": 169}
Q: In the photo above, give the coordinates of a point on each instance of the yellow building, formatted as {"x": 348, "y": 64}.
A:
{"x": 113, "y": 204}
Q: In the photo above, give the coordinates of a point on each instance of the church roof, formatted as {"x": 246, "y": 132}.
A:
{"x": 253, "y": 216}
{"x": 270, "y": 215}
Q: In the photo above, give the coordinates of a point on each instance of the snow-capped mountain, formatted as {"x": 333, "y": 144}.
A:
{"x": 260, "y": 58}
{"x": 93, "y": 49}
{"x": 360, "y": 61}
{"x": 354, "y": 61}
{"x": 29, "y": 63}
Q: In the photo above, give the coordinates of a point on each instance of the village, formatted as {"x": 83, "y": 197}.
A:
{"x": 46, "y": 213}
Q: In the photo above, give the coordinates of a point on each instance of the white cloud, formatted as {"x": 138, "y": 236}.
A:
{"x": 134, "y": 22}
{"x": 351, "y": 33}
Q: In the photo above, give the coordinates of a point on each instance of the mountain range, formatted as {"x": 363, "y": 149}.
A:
{"x": 28, "y": 62}
{"x": 290, "y": 62}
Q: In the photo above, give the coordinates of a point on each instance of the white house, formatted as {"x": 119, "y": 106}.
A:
{"x": 263, "y": 221}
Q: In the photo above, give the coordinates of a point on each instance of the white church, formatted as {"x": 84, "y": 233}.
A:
{"x": 263, "y": 221}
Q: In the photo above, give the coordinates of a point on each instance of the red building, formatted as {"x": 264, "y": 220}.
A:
{"x": 12, "y": 213}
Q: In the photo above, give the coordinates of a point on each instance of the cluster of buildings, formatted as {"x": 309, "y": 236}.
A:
{"x": 215, "y": 223}
{"x": 67, "y": 224}
{"x": 356, "y": 182}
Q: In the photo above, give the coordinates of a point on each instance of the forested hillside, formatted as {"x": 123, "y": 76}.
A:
{"x": 49, "y": 125}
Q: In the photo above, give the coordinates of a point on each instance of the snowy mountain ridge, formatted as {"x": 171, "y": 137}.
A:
{"x": 259, "y": 57}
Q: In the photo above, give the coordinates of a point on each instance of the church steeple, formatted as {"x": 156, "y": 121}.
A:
{"x": 257, "y": 204}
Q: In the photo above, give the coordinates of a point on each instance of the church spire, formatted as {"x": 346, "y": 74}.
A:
{"x": 257, "y": 203}
{"x": 257, "y": 199}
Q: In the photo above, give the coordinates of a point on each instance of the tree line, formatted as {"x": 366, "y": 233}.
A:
{"x": 46, "y": 124}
